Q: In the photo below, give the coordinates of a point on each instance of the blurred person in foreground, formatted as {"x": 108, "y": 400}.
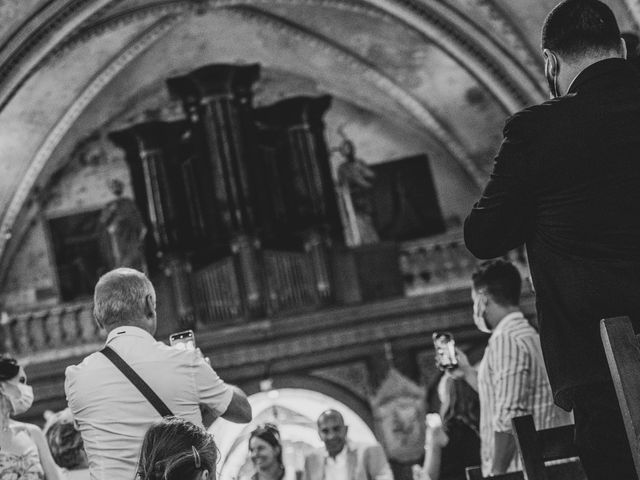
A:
{"x": 452, "y": 441}
{"x": 24, "y": 453}
{"x": 65, "y": 443}
{"x": 342, "y": 459}
{"x": 511, "y": 380}
{"x": 110, "y": 412}
{"x": 566, "y": 182}
{"x": 176, "y": 449}
{"x": 265, "y": 450}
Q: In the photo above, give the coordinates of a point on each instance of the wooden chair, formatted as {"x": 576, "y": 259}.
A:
{"x": 622, "y": 348}
{"x": 539, "y": 446}
{"x": 475, "y": 473}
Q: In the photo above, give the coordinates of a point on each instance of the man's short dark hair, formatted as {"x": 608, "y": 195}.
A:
{"x": 581, "y": 27}
{"x": 500, "y": 279}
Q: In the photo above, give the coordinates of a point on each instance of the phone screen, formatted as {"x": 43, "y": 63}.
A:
{"x": 185, "y": 340}
{"x": 433, "y": 420}
{"x": 445, "y": 347}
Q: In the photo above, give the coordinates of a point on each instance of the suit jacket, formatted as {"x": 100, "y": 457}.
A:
{"x": 365, "y": 462}
{"x": 566, "y": 181}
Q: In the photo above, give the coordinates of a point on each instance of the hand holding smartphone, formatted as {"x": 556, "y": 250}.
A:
{"x": 445, "y": 347}
{"x": 184, "y": 340}
{"x": 433, "y": 420}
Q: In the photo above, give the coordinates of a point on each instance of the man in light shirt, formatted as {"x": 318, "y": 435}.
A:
{"x": 511, "y": 380}
{"x": 110, "y": 412}
{"x": 342, "y": 459}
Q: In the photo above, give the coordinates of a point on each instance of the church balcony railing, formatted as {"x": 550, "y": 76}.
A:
{"x": 444, "y": 263}
{"x": 290, "y": 287}
{"x": 49, "y": 334}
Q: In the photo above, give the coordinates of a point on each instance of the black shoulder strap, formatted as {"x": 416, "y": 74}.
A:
{"x": 138, "y": 382}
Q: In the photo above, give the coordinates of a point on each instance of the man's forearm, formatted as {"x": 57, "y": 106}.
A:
{"x": 504, "y": 451}
{"x": 239, "y": 409}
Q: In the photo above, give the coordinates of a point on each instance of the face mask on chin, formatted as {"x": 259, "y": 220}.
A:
{"x": 21, "y": 401}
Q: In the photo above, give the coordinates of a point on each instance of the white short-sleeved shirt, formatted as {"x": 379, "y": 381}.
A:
{"x": 113, "y": 416}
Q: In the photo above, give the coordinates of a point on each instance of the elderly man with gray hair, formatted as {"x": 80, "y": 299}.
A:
{"x": 114, "y": 409}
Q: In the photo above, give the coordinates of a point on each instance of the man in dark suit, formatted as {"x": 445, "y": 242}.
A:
{"x": 566, "y": 181}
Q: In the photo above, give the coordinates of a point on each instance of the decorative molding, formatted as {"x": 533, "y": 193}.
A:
{"x": 353, "y": 376}
{"x": 380, "y": 80}
{"x": 311, "y": 342}
{"x": 508, "y": 36}
{"x": 120, "y": 61}
{"x": 470, "y": 53}
{"x": 22, "y": 54}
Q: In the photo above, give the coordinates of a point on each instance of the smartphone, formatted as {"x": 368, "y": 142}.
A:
{"x": 185, "y": 340}
{"x": 445, "y": 347}
{"x": 433, "y": 420}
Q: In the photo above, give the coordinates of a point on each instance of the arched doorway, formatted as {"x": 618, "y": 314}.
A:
{"x": 294, "y": 411}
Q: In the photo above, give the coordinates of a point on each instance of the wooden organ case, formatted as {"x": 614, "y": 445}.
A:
{"x": 239, "y": 202}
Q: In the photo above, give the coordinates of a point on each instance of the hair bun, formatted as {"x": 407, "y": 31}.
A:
{"x": 9, "y": 368}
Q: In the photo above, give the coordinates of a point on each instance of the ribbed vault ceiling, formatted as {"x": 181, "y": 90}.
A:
{"x": 433, "y": 75}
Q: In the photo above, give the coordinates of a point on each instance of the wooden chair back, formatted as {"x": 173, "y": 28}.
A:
{"x": 475, "y": 473}
{"x": 539, "y": 446}
{"x": 622, "y": 348}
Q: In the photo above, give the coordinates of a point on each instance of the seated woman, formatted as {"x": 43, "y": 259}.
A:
{"x": 453, "y": 443}
{"x": 24, "y": 453}
{"x": 176, "y": 449}
{"x": 67, "y": 449}
{"x": 266, "y": 453}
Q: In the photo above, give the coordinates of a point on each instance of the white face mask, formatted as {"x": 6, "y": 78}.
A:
{"x": 21, "y": 402}
{"x": 479, "y": 308}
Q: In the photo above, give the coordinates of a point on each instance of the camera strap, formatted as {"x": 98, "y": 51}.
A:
{"x": 137, "y": 381}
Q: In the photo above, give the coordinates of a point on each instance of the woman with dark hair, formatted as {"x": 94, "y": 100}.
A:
{"x": 65, "y": 443}
{"x": 452, "y": 440}
{"x": 265, "y": 450}
{"x": 176, "y": 449}
{"x": 24, "y": 453}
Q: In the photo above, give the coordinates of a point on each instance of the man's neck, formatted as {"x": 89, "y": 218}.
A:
{"x": 573, "y": 69}
{"x": 335, "y": 454}
{"x": 503, "y": 313}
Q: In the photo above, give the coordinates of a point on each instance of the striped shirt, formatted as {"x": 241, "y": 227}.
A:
{"x": 512, "y": 381}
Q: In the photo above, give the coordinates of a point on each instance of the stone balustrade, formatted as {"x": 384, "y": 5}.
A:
{"x": 428, "y": 266}
{"x": 51, "y": 333}
{"x": 443, "y": 263}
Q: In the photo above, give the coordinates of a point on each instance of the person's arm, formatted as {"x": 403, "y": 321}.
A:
{"x": 224, "y": 400}
{"x": 239, "y": 409}
{"x": 465, "y": 370}
{"x": 501, "y": 219}
{"x": 511, "y": 364}
{"x": 504, "y": 451}
{"x": 436, "y": 440}
{"x": 51, "y": 470}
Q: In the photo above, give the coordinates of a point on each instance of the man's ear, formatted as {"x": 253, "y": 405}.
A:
{"x": 623, "y": 48}
{"x": 205, "y": 475}
{"x": 551, "y": 60}
{"x": 149, "y": 306}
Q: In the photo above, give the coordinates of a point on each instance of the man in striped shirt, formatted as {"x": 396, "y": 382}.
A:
{"x": 512, "y": 379}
